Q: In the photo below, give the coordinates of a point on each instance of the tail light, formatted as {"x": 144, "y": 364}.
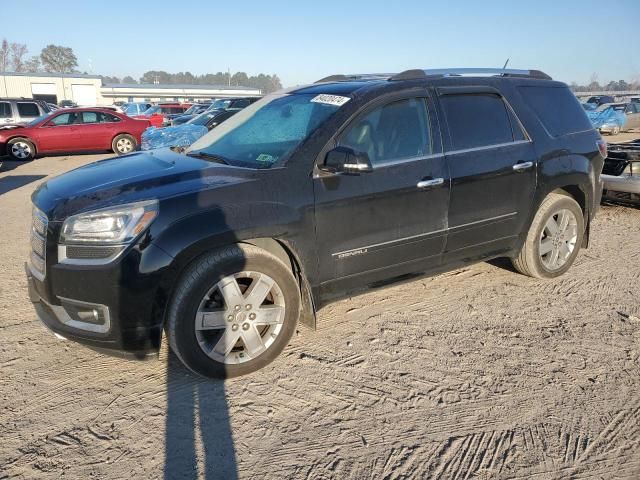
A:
{"x": 602, "y": 147}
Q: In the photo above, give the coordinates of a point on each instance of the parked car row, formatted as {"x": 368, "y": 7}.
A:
{"x": 613, "y": 118}
{"x": 72, "y": 130}
{"x": 32, "y": 127}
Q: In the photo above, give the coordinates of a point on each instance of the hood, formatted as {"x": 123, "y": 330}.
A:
{"x": 156, "y": 174}
{"x": 10, "y": 126}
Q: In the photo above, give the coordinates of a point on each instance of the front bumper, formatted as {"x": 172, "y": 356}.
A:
{"x": 114, "y": 309}
{"x": 624, "y": 183}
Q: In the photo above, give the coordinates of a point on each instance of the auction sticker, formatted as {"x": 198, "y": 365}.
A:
{"x": 327, "y": 99}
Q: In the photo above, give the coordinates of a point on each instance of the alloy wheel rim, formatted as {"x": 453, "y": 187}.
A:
{"x": 21, "y": 150}
{"x": 558, "y": 239}
{"x": 124, "y": 145}
{"x": 240, "y": 317}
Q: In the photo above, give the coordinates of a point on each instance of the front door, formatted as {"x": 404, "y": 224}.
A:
{"x": 59, "y": 134}
{"x": 392, "y": 220}
{"x": 493, "y": 173}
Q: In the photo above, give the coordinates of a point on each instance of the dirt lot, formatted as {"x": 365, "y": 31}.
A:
{"x": 477, "y": 373}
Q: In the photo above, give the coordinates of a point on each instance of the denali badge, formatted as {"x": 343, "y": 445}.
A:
{"x": 351, "y": 253}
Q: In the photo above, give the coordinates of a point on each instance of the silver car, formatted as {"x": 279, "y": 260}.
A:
{"x": 21, "y": 110}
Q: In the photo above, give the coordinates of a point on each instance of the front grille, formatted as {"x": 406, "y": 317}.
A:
{"x": 38, "y": 243}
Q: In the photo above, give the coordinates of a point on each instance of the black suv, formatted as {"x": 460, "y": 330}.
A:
{"x": 308, "y": 195}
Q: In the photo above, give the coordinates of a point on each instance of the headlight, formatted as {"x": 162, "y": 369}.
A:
{"x": 115, "y": 225}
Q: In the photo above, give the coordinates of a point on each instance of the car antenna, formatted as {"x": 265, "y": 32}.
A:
{"x": 505, "y": 64}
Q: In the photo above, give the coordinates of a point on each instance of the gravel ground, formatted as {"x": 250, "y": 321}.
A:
{"x": 476, "y": 373}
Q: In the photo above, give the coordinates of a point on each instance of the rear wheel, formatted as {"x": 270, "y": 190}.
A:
{"x": 124, "y": 144}
{"x": 554, "y": 238}
{"x": 21, "y": 149}
{"x": 233, "y": 312}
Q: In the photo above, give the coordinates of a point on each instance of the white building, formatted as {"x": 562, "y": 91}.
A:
{"x": 89, "y": 89}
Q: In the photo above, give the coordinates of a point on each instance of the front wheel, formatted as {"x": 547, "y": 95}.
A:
{"x": 233, "y": 312}
{"x": 124, "y": 144}
{"x": 554, "y": 238}
{"x": 21, "y": 149}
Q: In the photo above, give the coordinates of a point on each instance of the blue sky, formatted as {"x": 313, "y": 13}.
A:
{"x": 303, "y": 41}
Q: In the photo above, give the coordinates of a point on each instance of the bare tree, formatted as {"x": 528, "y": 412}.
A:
{"x": 18, "y": 51}
{"x": 4, "y": 55}
{"x": 33, "y": 65}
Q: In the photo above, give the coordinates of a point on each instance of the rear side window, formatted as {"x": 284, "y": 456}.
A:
{"x": 476, "y": 120}
{"x": 5, "y": 109}
{"x": 28, "y": 109}
{"x": 557, "y": 108}
{"x": 89, "y": 117}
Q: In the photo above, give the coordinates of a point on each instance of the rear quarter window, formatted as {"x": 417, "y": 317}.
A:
{"x": 557, "y": 108}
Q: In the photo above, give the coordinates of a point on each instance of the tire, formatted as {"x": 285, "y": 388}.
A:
{"x": 198, "y": 293}
{"x": 21, "y": 149}
{"x": 123, "y": 144}
{"x": 536, "y": 257}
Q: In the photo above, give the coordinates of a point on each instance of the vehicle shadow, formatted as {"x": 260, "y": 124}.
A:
{"x": 197, "y": 405}
{"x": 11, "y": 182}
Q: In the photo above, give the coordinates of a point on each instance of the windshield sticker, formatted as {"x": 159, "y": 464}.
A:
{"x": 265, "y": 158}
{"x": 336, "y": 100}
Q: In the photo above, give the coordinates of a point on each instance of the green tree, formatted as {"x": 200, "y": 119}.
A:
{"x": 240, "y": 79}
{"x": 58, "y": 59}
{"x": 129, "y": 80}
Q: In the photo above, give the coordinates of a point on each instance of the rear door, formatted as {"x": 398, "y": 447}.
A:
{"x": 28, "y": 111}
{"x": 493, "y": 171}
{"x": 632, "y": 113}
{"x": 95, "y": 133}
{"x": 390, "y": 221}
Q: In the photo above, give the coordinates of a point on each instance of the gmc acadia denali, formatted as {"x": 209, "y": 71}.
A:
{"x": 309, "y": 195}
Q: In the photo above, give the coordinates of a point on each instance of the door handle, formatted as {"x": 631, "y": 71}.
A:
{"x": 430, "y": 183}
{"x": 518, "y": 167}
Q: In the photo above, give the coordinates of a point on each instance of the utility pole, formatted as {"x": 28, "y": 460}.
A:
{"x": 229, "y": 75}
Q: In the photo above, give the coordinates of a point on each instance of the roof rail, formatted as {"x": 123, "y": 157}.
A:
{"x": 416, "y": 74}
{"x": 355, "y": 76}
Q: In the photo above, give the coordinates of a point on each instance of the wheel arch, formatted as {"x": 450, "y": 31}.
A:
{"x": 31, "y": 140}
{"x": 289, "y": 257}
{"x": 279, "y": 249}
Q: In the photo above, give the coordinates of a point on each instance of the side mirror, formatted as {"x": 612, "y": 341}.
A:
{"x": 346, "y": 160}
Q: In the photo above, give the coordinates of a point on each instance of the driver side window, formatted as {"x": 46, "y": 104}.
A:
{"x": 395, "y": 131}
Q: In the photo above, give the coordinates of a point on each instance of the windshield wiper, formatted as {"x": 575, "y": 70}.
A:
{"x": 208, "y": 156}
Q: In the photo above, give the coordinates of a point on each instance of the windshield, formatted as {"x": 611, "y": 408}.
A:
{"x": 130, "y": 108}
{"x": 202, "y": 119}
{"x": 151, "y": 110}
{"x": 193, "y": 109}
{"x": 219, "y": 105}
{"x": 267, "y": 131}
{"x": 35, "y": 121}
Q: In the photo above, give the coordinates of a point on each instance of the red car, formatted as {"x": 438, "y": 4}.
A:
{"x": 156, "y": 114}
{"x": 72, "y": 130}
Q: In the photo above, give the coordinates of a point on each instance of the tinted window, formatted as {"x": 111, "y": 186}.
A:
{"x": 63, "y": 119}
{"x": 28, "y": 109}
{"x": 476, "y": 120}
{"x": 395, "y": 131}
{"x": 90, "y": 117}
{"x": 108, "y": 118}
{"x": 557, "y": 108}
{"x": 5, "y": 110}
